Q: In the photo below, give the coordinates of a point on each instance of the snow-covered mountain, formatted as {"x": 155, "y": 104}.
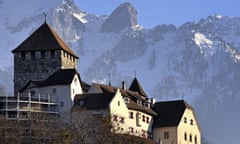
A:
{"x": 198, "y": 61}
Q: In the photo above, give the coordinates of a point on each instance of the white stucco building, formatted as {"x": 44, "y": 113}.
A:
{"x": 129, "y": 109}
{"x": 176, "y": 123}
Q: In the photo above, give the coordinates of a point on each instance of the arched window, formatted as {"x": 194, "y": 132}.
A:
{"x": 185, "y": 136}
{"x": 190, "y": 137}
{"x": 195, "y": 139}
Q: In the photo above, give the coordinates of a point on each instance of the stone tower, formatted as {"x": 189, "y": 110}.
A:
{"x": 39, "y": 56}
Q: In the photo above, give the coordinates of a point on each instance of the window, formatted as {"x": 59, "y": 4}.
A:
{"x": 43, "y": 54}
{"x": 131, "y": 115}
{"x": 143, "y": 118}
{"x": 195, "y": 139}
{"x": 33, "y": 55}
{"x": 166, "y": 135}
{"x": 185, "y": 136}
{"x": 118, "y": 103}
{"x": 185, "y": 120}
{"x": 121, "y": 120}
{"x": 190, "y": 137}
{"x": 147, "y": 119}
{"x": 131, "y": 129}
{"x": 115, "y": 118}
{"x": 191, "y": 122}
{"x": 23, "y": 55}
{"x": 144, "y": 134}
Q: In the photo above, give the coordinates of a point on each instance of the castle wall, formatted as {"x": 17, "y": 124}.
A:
{"x": 39, "y": 65}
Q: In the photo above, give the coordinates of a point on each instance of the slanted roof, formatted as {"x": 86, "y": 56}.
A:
{"x": 44, "y": 38}
{"x": 60, "y": 77}
{"x": 169, "y": 112}
{"x": 31, "y": 84}
{"x": 134, "y": 96}
{"x": 135, "y": 86}
{"x": 94, "y": 101}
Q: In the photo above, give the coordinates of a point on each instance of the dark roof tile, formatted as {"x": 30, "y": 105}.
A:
{"x": 135, "y": 86}
{"x": 44, "y": 38}
{"x": 60, "y": 77}
{"x": 169, "y": 112}
{"x": 94, "y": 101}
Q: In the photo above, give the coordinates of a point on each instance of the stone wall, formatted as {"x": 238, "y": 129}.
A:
{"x": 39, "y": 65}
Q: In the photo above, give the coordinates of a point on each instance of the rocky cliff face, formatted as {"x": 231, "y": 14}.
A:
{"x": 198, "y": 61}
{"x": 124, "y": 16}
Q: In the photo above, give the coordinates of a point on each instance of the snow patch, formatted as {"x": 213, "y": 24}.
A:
{"x": 205, "y": 44}
{"x": 80, "y": 17}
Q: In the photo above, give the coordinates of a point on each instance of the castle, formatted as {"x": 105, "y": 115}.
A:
{"x": 46, "y": 80}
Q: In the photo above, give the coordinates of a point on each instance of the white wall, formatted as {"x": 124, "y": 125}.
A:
{"x": 134, "y": 126}
{"x": 189, "y": 128}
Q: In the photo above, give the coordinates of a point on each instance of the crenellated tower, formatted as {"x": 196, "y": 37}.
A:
{"x": 40, "y": 55}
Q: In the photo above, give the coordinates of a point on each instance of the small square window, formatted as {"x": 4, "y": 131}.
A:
{"x": 115, "y": 118}
{"x": 147, "y": 119}
{"x": 121, "y": 120}
{"x": 143, "y": 118}
{"x": 131, "y": 115}
{"x": 166, "y": 135}
{"x": 185, "y": 120}
{"x": 191, "y": 122}
{"x": 131, "y": 129}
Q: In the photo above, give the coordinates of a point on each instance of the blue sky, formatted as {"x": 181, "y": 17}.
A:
{"x": 154, "y": 12}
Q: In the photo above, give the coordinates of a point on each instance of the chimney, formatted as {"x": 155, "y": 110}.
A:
{"x": 152, "y": 101}
{"x": 123, "y": 85}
